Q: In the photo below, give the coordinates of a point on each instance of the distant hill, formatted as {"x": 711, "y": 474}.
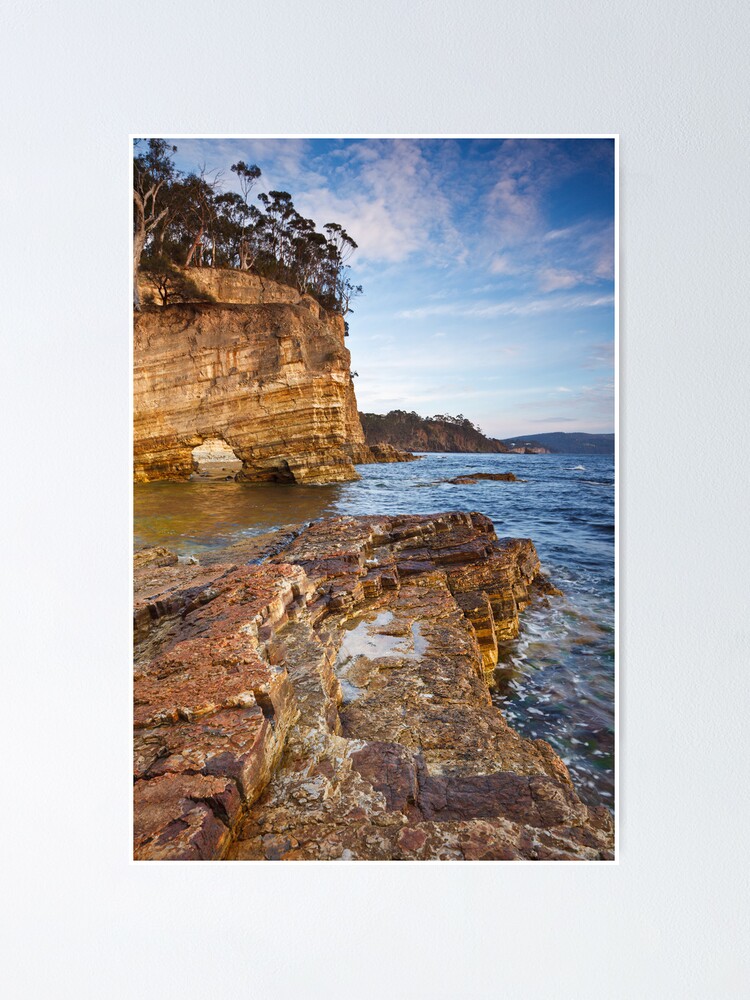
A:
{"x": 561, "y": 443}
{"x": 410, "y": 432}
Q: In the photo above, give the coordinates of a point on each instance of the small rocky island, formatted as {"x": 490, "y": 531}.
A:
{"x": 332, "y": 701}
{"x": 472, "y": 478}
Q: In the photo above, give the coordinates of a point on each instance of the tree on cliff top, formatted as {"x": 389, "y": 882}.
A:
{"x": 188, "y": 221}
{"x": 197, "y": 216}
{"x": 153, "y": 172}
{"x": 247, "y": 176}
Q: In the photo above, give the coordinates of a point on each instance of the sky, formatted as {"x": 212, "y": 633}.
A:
{"x": 487, "y": 267}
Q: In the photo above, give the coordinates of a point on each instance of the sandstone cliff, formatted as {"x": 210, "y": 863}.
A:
{"x": 411, "y": 432}
{"x": 333, "y": 702}
{"x": 255, "y": 384}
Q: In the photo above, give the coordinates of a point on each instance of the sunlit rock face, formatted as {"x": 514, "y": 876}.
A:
{"x": 270, "y": 379}
{"x": 230, "y": 287}
{"x": 261, "y": 371}
{"x": 332, "y": 702}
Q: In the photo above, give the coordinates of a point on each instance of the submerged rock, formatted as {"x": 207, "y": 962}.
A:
{"x": 474, "y": 477}
{"x": 333, "y": 702}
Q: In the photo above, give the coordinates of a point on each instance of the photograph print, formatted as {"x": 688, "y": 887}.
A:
{"x": 374, "y": 415}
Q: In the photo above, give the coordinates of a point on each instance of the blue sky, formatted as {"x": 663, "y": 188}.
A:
{"x": 487, "y": 267}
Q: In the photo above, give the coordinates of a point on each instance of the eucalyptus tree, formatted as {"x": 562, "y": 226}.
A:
{"x": 341, "y": 247}
{"x": 247, "y": 176}
{"x": 276, "y": 236}
{"x": 153, "y": 175}
{"x": 194, "y": 218}
{"x": 233, "y": 216}
{"x": 184, "y": 220}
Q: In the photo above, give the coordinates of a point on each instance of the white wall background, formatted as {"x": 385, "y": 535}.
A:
{"x": 671, "y": 919}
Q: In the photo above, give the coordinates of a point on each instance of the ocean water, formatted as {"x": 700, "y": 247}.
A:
{"x": 556, "y": 681}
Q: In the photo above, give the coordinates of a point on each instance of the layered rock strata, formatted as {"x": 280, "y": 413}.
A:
{"x": 226, "y": 285}
{"x": 333, "y": 702}
{"x": 254, "y": 385}
{"x": 365, "y": 454}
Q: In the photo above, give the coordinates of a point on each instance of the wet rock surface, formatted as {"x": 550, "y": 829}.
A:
{"x": 474, "y": 477}
{"x": 333, "y": 702}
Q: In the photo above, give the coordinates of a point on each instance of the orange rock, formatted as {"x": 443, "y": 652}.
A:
{"x": 363, "y": 651}
{"x": 254, "y": 384}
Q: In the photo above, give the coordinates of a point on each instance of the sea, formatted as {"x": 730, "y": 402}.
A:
{"x": 557, "y": 680}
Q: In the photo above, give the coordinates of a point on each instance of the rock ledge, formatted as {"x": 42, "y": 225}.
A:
{"x": 333, "y": 702}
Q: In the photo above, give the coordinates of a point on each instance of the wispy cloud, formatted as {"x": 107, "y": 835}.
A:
{"x": 554, "y": 420}
{"x": 502, "y": 264}
{"x": 513, "y": 307}
{"x": 551, "y": 279}
{"x": 394, "y": 201}
{"x": 602, "y": 356}
{"x": 517, "y": 238}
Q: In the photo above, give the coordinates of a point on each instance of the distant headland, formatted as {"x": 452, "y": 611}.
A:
{"x": 409, "y": 431}
{"x": 564, "y": 443}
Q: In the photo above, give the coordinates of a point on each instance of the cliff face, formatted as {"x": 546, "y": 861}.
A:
{"x": 414, "y": 433}
{"x": 230, "y": 287}
{"x": 333, "y": 702}
{"x": 258, "y": 385}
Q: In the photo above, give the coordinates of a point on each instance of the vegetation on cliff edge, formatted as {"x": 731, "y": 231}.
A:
{"x": 187, "y": 220}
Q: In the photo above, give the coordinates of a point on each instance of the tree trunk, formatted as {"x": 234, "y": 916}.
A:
{"x": 139, "y": 239}
{"x": 143, "y": 226}
{"x": 194, "y": 247}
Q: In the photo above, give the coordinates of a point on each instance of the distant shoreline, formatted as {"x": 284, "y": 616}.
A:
{"x": 445, "y": 434}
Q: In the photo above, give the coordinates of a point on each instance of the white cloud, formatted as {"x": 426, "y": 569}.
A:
{"x": 502, "y": 264}
{"x": 377, "y": 230}
{"x": 552, "y": 279}
{"x": 516, "y": 211}
{"x": 393, "y": 202}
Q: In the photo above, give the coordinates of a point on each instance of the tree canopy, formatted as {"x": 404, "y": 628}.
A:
{"x": 188, "y": 220}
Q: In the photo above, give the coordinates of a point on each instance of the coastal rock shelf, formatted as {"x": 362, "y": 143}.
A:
{"x": 254, "y": 384}
{"x": 333, "y": 702}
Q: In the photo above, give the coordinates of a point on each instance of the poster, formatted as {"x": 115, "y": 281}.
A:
{"x": 375, "y": 498}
